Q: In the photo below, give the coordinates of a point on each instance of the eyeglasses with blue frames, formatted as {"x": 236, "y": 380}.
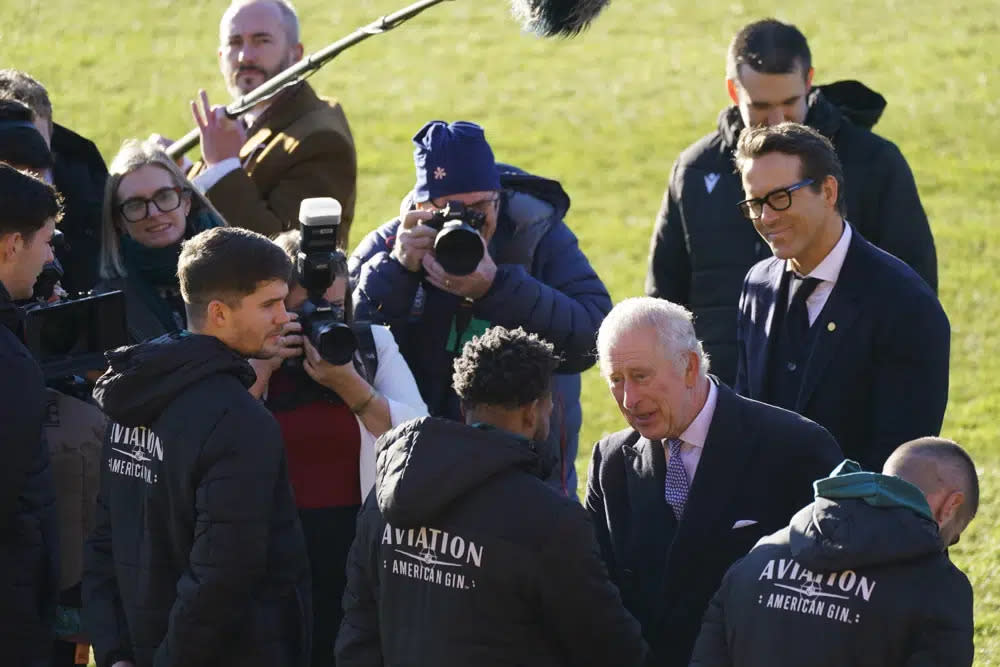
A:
{"x": 778, "y": 200}
{"x": 164, "y": 199}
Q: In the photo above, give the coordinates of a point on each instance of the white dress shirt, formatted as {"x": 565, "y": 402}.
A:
{"x": 693, "y": 437}
{"x": 827, "y": 271}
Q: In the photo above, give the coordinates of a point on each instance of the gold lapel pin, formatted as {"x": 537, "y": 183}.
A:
{"x": 831, "y": 326}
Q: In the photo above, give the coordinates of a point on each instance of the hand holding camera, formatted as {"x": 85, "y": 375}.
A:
{"x": 473, "y": 285}
{"x": 414, "y": 239}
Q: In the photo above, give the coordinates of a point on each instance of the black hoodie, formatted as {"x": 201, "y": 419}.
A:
{"x": 702, "y": 246}
{"x": 198, "y": 557}
{"x": 465, "y": 557}
{"x": 28, "y": 525}
{"x": 859, "y": 578}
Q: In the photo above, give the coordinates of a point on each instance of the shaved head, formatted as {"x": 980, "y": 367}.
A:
{"x": 946, "y": 475}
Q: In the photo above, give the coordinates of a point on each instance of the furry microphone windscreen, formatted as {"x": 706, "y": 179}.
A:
{"x": 556, "y": 18}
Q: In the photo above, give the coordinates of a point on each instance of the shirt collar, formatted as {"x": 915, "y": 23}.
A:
{"x": 697, "y": 431}
{"x": 829, "y": 268}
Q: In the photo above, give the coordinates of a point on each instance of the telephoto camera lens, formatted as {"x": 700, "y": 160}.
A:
{"x": 458, "y": 247}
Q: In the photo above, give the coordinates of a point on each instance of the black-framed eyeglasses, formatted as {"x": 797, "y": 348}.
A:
{"x": 778, "y": 200}
{"x": 164, "y": 199}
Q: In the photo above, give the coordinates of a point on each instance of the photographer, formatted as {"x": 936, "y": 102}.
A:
{"x": 150, "y": 208}
{"x": 29, "y": 210}
{"x": 531, "y": 274}
{"x": 330, "y": 417}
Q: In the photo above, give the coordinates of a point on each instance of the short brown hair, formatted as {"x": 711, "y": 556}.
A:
{"x": 769, "y": 47}
{"x": 818, "y": 159}
{"x": 227, "y": 264}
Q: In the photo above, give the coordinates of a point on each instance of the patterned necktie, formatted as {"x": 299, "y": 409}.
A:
{"x": 676, "y": 487}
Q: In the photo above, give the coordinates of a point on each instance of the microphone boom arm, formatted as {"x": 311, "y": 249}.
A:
{"x": 304, "y": 68}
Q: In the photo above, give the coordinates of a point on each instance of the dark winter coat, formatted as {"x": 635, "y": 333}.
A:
{"x": 851, "y": 582}
{"x": 198, "y": 557}
{"x": 29, "y": 570}
{"x": 702, "y": 246}
{"x": 465, "y": 557}
{"x": 79, "y": 173}
{"x": 543, "y": 283}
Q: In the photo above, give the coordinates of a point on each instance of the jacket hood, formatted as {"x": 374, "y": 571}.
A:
{"x": 828, "y": 105}
{"x": 426, "y": 464}
{"x": 143, "y": 379}
{"x": 860, "y": 519}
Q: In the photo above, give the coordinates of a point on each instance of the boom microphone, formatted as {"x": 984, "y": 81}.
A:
{"x": 556, "y": 18}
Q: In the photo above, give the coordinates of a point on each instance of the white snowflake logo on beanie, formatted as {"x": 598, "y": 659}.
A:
{"x": 439, "y": 173}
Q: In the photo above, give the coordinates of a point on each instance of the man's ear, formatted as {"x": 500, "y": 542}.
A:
{"x": 297, "y": 52}
{"x": 529, "y": 415}
{"x": 831, "y": 190}
{"x": 10, "y": 245}
{"x": 809, "y": 79}
{"x": 217, "y": 314}
{"x": 734, "y": 94}
{"x": 949, "y": 507}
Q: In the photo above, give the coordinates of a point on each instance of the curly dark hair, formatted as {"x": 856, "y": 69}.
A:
{"x": 504, "y": 367}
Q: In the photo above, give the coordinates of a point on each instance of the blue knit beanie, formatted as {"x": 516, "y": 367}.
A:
{"x": 452, "y": 159}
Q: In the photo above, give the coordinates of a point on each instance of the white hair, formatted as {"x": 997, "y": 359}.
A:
{"x": 672, "y": 323}
{"x": 289, "y": 17}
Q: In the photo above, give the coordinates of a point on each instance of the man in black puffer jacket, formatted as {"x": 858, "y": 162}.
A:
{"x": 463, "y": 555}
{"x": 198, "y": 557}
{"x": 859, "y": 578}
{"x": 29, "y": 572}
{"x": 702, "y": 247}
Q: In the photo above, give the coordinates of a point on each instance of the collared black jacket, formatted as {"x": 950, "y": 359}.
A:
{"x": 198, "y": 557}
{"x": 756, "y": 470}
{"x": 29, "y": 573}
{"x": 702, "y": 246}
{"x": 463, "y": 556}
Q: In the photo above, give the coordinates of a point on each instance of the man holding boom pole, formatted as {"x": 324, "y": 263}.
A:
{"x": 258, "y": 168}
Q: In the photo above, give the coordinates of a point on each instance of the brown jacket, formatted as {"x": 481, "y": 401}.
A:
{"x": 301, "y": 148}
{"x": 75, "y": 432}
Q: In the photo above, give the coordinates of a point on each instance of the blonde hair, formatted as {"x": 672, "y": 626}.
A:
{"x": 133, "y": 155}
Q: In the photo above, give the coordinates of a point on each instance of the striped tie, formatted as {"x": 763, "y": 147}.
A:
{"x": 676, "y": 487}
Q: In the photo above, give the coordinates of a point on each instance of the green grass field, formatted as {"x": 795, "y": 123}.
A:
{"x": 606, "y": 114}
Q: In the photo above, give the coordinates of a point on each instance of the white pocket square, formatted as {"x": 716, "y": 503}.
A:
{"x": 743, "y": 523}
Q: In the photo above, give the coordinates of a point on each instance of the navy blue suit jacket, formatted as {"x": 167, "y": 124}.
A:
{"x": 758, "y": 464}
{"x": 877, "y": 375}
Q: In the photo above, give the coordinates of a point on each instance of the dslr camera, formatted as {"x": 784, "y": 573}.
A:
{"x": 458, "y": 247}
{"x": 322, "y": 323}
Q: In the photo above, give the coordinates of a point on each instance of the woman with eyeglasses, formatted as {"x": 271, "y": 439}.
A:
{"x": 150, "y": 208}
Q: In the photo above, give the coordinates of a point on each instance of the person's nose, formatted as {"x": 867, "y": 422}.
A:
{"x": 775, "y": 115}
{"x": 630, "y": 396}
{"x": 247, "y": 55}
{"x": 281, "y": 317}
{"x": 767, "y": 215}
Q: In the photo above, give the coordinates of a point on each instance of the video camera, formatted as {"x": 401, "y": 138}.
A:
{"x": 70, "y": 336}
{"x": 322, "y": 323}
{"x": 458, "y": 247}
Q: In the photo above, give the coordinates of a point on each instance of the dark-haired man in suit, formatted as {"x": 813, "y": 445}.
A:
{"x": 832, "y": 327}
{"x": 698, "y": 477}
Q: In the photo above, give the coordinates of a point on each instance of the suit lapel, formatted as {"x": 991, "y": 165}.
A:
{"x": 835, "y": 320}
{"x": 763, "y": 339}
{"x": 645, "y": 472}
{"x": 729, "y": 446}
